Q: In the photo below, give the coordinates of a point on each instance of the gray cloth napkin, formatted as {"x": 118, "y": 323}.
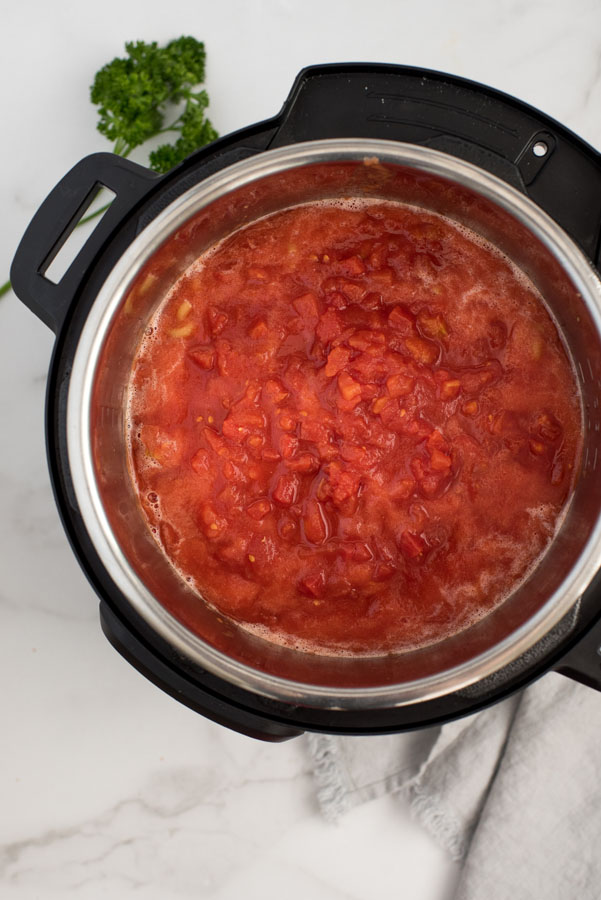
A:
{"x": 513, "y": 791}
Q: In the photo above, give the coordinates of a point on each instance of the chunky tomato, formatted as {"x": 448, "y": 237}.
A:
{"x": 366, "y": 418}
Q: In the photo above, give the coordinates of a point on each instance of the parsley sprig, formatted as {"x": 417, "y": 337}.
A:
{"x": 153, "y": 91}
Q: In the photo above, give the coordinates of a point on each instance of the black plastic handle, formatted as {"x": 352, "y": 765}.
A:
{"x": 583, "y": 661}
{"x": 191, "y": 694}
{"x": 55, "y": 220}
{"x": 471, "y": 121}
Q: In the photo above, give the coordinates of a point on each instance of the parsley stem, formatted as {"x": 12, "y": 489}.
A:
{"x": 93, "y": 215}
{"x": 5, "y": 288}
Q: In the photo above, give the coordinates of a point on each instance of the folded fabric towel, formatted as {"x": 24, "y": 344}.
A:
{"x": 513, "y": 791}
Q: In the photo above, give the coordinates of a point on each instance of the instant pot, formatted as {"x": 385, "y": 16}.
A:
{"x": 476, "y": 155}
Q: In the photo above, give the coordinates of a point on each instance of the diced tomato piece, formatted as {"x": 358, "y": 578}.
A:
{"x": 217, "y": 320}
{"x": 225, "y": 358}
{"x": 417, "y": 427}
{"x": 274, "y": 391}
{"x": 434, "y": 485}
{"x": 337, "y": 360}
{"x": 317, "y": 432}
{"x": 259, "y": 509}
{"x": 353, "y": 266}
{"x": 241, "y": 422}
{"x": 313, "y": 585}
{"x": 411, "y": 544}
{"x": 314, "y": 523}
{"x": 401, "y": 490}
{"x": 431, "y": 483}
{"x": 359, "y": 574}
{"x": 296, "y": 325}
{"x": 379, "y": 404}
{"x": 329, "y": 326}
{"x": 439, "y": 461}
{"x": 234, "y": 431}
{"x": 336, "y": 300}
{"x": 214, "y": 440}
{"x": 342, "y": 484}
{"x": 287, "y": 422}
{"x": 286, "y": 489}
{"x": 393, "y": 416}
{"x": 418, "y": 467}
{"x": 214, "y": 526}
{"x": 432, "y": 326}
{"x": 183, "y": 331}
{"x": 304, "y": 462}
{"x": 338, "y": 587}
{"x": 233, "y": 472}
{"x": 349, "y": 388}
{"x": 422, "y": 351}
{"x": 166, "y": 446}
{"x": 230, "y": 498}
{"x": 258, "y": 329}
{"x": 306, "y": 306}
{"x": 476, "y": 379}
{"x": 537, "y": 447}
{"x": 352, "y": 452}
{"x": 235, "y": 551}
{"x": 496, "y": 334}
{"x": 288, "y": 445}
{"x": 201, "y": 462}
{"x": 287, "y": 528}
{"x": 450, "y": 388}
{"x": 204, "y": 357}
{"x": 350, "y": 289}
{"x": 361, "y": 340}
{"x": 255, "y": 441}
{"x": 356, "y": 550}
{"x": 383, "y": 276}
{"x": 370, "y": 367}
{"x": 384, "y": 571}
{"x": 401, "y": 320}
{"x": 400, "y": 385}
{"x": 378, "y": 257}
{"x": 436, "y": 440}
{"x": 548, "y": 427}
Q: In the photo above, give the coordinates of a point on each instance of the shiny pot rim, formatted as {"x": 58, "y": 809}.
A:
{"x": 79, "y": 437}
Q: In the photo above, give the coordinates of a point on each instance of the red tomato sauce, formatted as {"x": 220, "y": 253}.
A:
{"x": 353, "y": 427}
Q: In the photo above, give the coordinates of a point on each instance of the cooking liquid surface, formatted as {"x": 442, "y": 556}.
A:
{"x": 353, "y": 427}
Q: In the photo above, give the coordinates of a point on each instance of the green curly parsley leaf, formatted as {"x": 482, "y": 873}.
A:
{"x": 135, "y": 96}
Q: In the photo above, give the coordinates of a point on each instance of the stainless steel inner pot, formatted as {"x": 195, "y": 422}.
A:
{"x": 96, "y": 425}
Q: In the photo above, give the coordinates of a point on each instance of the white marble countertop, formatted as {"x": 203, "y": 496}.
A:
{"x": 107, "y": 786}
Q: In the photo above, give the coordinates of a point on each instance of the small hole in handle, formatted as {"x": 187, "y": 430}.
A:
{"x": 59, "y": 261}
{"x": 540, "y": 148}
